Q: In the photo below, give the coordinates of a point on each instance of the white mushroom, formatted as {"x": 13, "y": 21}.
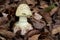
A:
{"x": 23, "y": 11}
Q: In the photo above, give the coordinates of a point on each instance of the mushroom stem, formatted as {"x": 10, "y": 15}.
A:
{"x": 23, "y": 22}
{"x": 24, "y": 25}
{"x": 22, "y": 19}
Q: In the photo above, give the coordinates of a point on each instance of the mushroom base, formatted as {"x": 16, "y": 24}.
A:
{"x": 22, "y": 25}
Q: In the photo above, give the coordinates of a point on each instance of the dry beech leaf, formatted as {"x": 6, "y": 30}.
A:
{"x": 47, "y": 39}
{"x": 31, "y": 2}
{"x": 56, "y": 29}
{"x": 7, "y": 34}
{"x": 2, "y": 8}
{"x": 43, "y": 4}
{"x": 4, "y": 26}
{"x": 15, "y": 5}
{"x": 31, "y": 33}
{"x": 34, "y": 37}
{"x": 38, "y": 24}
{"x": 59, "y": 11}
{"x": 36, "y": 10}
{"x": 4, "y": 14}
{"x": 37, "y": 16}
{"x": 53, "y": 11}
{"x": 47, "y": 17}
{"x": 19, "y": 38}
{"x": 3, "y": 20}
{"x": 57, "y": 22}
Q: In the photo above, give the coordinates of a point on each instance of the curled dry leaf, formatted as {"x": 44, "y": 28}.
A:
{"x": 59, "y": 11}
{"x": 2, "y": 8}
{"x": 3, "y": 20}
{"x": 18, "y": 39}
{"x": 47, "y": 39}
{"x": 31, "y": 2}
{"x": 53, "y": 11}
{"x": 56, "y": 29}
{"x": 57, "y": 22}
{"x": 34, "y": 37}
{"x": 37, "y": 16}
{"x": 31, "y": 33}
{"x": 7, "y": 34}
{"x": 43, "y": 4}
{"x": 47, "y": 17}
{"x": 43, "y": 35}
{"x": 38, "y": 24}
{"x": 14, "y": 5}
{"x": 7, "y": 1}
{"x": 4, "y": 26}
{"x": 35, "y": 10}
{"x": 4, "y": 14}
{"x": 7, "y": 6}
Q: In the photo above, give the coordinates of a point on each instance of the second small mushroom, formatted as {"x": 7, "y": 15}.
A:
{"x": 23, "y": 11}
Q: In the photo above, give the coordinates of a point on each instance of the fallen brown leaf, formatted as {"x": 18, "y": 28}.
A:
{"x": 47, "y": 17}
{"x": 56, "y": 29}
{"x": 38, "y": 24}
{"x": 53, "y": 11}
{"x": 37, "y": 16}
{"x": 7, "y": 34}
{"x": 31, "y": 3}
{"x": 34, "y": 37}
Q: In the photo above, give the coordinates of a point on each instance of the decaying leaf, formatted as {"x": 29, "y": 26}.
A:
{"x": 3, "y": 20}
{"x": 31, "y": 2}
{"x": 34, "y": 37}
{"x": 31, "y": 33}
{"x": 53, "y": 10}
{"x": 48, "y": 9}
{"x": 37, "y": 16}
{"x": 7, "y": 34}
{"x": 35, "y": 10}
{"x": 43, "y": 4}
{"x": 38, "y": 24}
{"x": 4, "y": 14}
{"x": 56, "y": 29}
{"x": 47, "y": 17}
{"x": 2, "y": 38}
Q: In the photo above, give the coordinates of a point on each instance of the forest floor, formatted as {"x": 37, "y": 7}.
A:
{"x": 45, "y": 20}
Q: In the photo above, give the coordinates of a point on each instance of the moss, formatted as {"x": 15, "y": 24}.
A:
{"x": 48, "y": 9}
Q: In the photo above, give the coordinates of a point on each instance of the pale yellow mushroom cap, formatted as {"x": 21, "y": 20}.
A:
{"x": 23, "y": 10}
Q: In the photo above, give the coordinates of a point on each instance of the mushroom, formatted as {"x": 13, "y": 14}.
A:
{"x": 23, "y": 11}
